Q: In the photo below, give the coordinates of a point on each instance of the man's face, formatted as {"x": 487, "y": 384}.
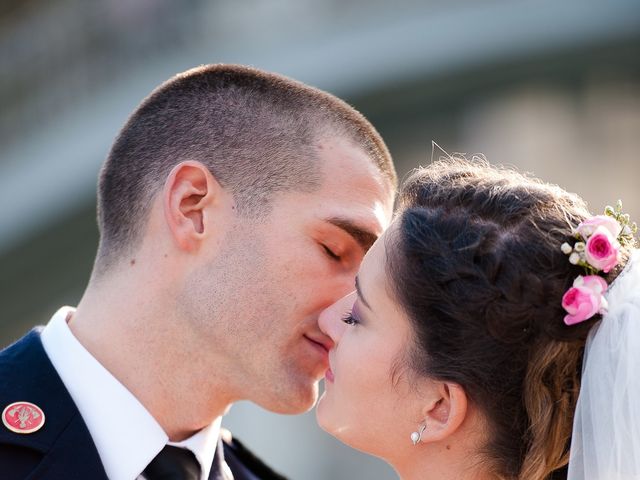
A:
{"x": 283, "y": 270}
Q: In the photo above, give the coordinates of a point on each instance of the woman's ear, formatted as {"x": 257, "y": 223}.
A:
{"x": 445, "y": 411}
{"x": 188, "y": 194}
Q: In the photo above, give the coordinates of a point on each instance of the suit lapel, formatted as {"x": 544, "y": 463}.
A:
{"x": 219, "y": 469}
{"x": 243, "y": 463}
{"x": 26, "y": 374}
{"x": 73, "y": 456}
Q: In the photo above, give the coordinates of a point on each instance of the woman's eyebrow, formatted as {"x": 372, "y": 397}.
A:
{"x": 360, "y": 295}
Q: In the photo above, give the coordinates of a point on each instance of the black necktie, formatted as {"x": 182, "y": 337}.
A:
{"x": 173, "y": 463}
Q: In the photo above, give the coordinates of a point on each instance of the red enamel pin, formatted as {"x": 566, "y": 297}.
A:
{"x": 23, "y": 417}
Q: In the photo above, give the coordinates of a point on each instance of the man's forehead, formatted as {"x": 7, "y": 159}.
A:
{"x": 362, "y": 207}
{"x": 341, "y": 157}
{"x": 361, "y": 192}
{"x": 364, "y": 232}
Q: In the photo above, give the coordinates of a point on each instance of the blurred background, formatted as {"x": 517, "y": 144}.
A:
{"x": 549, "y": 87}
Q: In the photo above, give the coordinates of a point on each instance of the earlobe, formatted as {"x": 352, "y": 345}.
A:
{"x": 444, "y": 414}
{"x": 189, "y": 190}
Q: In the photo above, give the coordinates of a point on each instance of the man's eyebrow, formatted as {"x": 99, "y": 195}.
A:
{"x": 359, "y": 290}
{"x": 365, "y": 238}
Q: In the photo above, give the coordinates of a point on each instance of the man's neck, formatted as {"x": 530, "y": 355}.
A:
{"x": 130, "y": 340}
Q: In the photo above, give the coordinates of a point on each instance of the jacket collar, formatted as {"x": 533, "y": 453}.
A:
{"x": 26, "y": 374}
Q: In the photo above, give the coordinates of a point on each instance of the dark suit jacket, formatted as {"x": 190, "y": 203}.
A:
{"x": 63, "y": 449}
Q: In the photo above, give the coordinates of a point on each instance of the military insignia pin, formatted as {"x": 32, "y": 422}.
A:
{"x": 23, "y": 417}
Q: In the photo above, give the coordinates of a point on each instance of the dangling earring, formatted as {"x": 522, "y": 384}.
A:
{"x": 417, "y": 436}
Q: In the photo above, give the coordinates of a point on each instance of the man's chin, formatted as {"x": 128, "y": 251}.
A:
{"x": 295, "y": 401}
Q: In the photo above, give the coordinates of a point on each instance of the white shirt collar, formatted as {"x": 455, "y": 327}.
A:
{"x": 126, "y": 435}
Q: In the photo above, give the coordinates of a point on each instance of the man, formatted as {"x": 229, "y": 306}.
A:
{"x": 234, "y": 206}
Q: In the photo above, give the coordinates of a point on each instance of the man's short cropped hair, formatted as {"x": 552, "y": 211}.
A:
{"x": 254, "y": 130}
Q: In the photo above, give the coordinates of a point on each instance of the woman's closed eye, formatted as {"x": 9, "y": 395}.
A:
{"x": 349, "y": 319}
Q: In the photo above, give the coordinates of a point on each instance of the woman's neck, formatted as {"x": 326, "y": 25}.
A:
{"x": 448, "y": 461}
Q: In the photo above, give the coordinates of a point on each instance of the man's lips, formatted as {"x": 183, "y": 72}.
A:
{"x": 322, "y": 340}
{"x": 323, "y": 344}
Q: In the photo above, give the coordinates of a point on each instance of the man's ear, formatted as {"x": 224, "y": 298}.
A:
{"x": 188, "y": 193}
{"x": 445, "y": 412}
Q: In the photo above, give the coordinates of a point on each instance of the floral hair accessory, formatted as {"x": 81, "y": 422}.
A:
{"x": 597, "y": 249}
{"x": 584, "y": 299}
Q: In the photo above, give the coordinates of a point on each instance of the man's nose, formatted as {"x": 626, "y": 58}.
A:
{"x": 330, "y": 320}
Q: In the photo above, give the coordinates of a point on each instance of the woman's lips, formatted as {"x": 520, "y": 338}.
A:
{"x": 328, "y": 375}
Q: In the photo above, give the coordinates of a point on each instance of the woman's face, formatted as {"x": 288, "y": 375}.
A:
{"x": 368, "y": 402}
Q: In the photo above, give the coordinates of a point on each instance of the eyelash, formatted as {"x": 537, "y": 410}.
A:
{"x": 349, "y": 319}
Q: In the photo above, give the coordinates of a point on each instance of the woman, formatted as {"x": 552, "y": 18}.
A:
{"x": 453, "y": 361}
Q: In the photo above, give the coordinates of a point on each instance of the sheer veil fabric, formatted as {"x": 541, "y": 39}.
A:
{"x": 606, "y": 431}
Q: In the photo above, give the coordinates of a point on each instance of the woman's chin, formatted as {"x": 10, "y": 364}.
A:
{"x": 322, "y": 416}
{"x": 328, "y": 419}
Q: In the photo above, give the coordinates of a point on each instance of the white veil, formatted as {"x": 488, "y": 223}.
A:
{"x": 606, "y": 430}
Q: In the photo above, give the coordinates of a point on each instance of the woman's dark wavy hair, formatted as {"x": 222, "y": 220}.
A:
{"x": 475, "y": 262}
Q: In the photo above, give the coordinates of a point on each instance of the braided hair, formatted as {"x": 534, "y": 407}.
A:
{"x": 476, "y": 264}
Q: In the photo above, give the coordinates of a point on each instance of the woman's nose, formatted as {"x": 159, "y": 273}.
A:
{"x": 330, "y": 320}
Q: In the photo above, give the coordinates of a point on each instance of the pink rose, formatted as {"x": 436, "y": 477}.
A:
{"x": 584, "y": 299}
{"x": 589, "y": 226}
{"x": 602, "y": 250}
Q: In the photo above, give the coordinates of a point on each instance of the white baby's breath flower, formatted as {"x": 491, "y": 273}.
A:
{"x": 566, "y": 248}
{"x": 579, "y": 247}
{"x": 574, "y": 258}
{"x": 586, "y": 231}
